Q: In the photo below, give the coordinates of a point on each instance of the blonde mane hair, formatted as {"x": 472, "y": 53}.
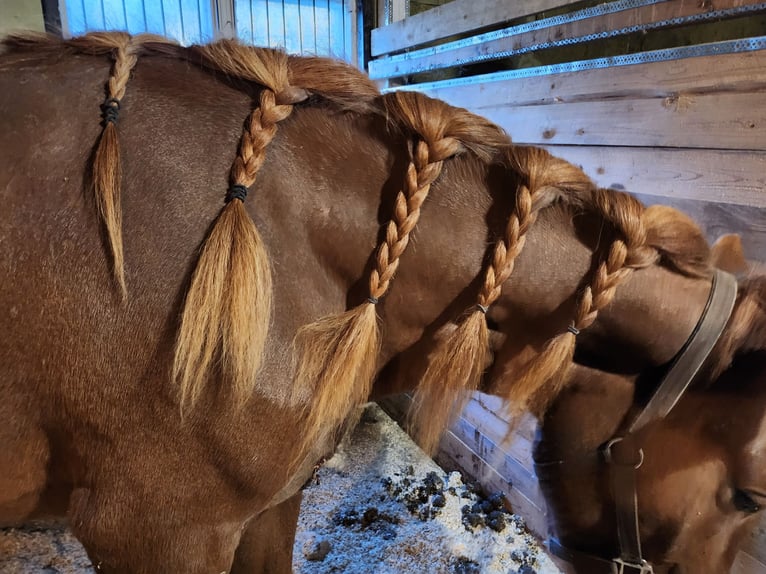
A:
{"x": 227, "y": 308}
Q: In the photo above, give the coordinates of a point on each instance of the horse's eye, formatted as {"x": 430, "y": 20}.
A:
{"x": 744, "y": 502}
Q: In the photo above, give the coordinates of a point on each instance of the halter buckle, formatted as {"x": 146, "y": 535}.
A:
{"x": 620, "y": 566}
{"x": 610, "y": 458}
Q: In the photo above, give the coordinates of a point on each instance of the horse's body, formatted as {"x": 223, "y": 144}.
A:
{"x": 92, "y": 422}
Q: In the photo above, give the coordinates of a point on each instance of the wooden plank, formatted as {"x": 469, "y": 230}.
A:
{"x": 114, "y": 15}
{"x": 322, "y": 26}
{"x": 292, "y": 15}
{"x": 135, "y": 18}
{"x": 155, "y": 22}
{"x": 746, "y": 564}
{"x": 744, "y": 72}
{"x": 723, "y": 121}
{"x": 455, "y": 455}
{"x": 336, "y": 15}
{"x": 502, "y": 463}
{"x": 259, "y": 22}
{"x": 717, "y": 176}
{"x": 243, "y": 19}
{"x": 658, "y": 15}
{"x": 456, "y": 17}
{"x": 495, "y": 429}
{"x": 308, "y": 35}
{"x": 716, "y": 219}
{"x": 276, "y": 23}
{"x": 755, "y": 545}
{"x": 171, "y": 13}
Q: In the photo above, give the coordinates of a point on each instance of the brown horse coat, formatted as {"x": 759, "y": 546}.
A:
{"x": 177, "y": 460}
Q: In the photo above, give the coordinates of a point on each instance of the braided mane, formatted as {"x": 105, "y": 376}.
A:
{"x": 227, "y": 308}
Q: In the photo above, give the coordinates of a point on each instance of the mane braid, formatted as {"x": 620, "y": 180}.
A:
{"x": 107, "y": 168}
{"x": 228, "y": 306}
{"x": 338, "y": 354}
{"x": 457, "y": 364}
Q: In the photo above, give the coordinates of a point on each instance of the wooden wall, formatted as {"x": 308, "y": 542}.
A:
{"x": 663, "y": 98}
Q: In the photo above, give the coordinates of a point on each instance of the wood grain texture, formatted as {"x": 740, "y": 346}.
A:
{"x": 655, "y": 14}
{"x": 744, "y": 72}
{"x": 453, "y": 18}
{"x": 722, "y": 121}
{"x": 717, "y": 219}
{"x": 717, "y": 176}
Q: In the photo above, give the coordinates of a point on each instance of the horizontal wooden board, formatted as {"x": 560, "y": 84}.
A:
{"x": 717, "y": 176}
{"x": 456, "y": 17}
{"x": 519, "y": 444}
{"x": 722, "y": 121}
{"x": 747, "y": 564}
{"x": 454, "y": 454}
{"x": 744, "y": 72}
{"x": 717, "y": 219}
{"x": 447, "y": 56}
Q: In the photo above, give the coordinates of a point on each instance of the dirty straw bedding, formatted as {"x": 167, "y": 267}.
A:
{"x": 378, "y": 506}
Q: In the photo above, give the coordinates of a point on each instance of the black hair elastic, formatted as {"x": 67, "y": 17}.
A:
{"x": 236, "y": 191}
{"x": 574, "y": 330}
{"x": 110, "y": 110}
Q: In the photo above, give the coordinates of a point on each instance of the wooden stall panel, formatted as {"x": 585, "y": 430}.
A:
{"x": 457, "y": 17}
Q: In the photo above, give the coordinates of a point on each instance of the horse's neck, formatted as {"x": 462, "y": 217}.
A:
{"x": 653, "y": 313}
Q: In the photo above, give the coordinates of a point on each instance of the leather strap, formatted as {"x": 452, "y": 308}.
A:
{"x": 720, "y": 304}
{"x": 624, "y": 454}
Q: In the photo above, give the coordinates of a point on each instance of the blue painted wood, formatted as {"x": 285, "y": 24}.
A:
{"x": 336, "y": 17}
{"x": 276, "y": 23}
{"x": 243, "y": 20}
{"x": 171, "y": 11}
{"x": 190, "y": 21}
{"x": 206, "y": 31}
{"x": 94, "y": 15}
{"x": 260, "y": 22}
{"x": 76, "y": 21}
{"x": 135, "y": 17}
{"x": 322, "y": 18}
{"x": 114, "y": 15}
{"x": 308, "y": 23}
{"x": 348, "y": 31}
{"x": 292, "y": 15}
{"x": 155, "y": 17}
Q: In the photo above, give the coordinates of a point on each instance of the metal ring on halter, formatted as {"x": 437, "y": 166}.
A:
{"x": 574, "y": 330}
{"x": 482, "y": 308}
{"x": 610, "y": 459}
{"x": 373, "y": 300}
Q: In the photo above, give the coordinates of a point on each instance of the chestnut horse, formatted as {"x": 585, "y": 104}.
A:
{"x": 218, "y": 268}
{"x": 702, "y": 481}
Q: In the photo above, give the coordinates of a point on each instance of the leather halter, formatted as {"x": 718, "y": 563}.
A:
{"x": 624, "y": 454}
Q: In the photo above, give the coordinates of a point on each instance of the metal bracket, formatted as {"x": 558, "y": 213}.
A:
{"x": 620, "y": 566}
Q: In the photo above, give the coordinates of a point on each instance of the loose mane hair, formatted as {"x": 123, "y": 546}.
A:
{"x": 228, "y": 302}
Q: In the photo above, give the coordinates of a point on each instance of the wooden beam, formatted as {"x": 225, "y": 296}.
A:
{"x": 717, "y": 176}
{"x": 454, "y": 18}
{"x": 658, "y": 15}
{"x": 744, "y": 72}
{"x": 723, "y": 121}
{"x": 716, "y": 219}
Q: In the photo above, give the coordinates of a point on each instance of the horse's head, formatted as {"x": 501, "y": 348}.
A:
{"x": 702, "y": 483}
